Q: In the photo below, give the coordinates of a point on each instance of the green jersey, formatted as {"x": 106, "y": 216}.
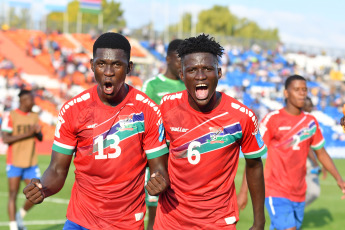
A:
{"x": 160, "y": 85}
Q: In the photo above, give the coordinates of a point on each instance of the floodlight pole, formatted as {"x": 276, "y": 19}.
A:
{"x": 100, "y": 21}
{"x": 79, "y": 22}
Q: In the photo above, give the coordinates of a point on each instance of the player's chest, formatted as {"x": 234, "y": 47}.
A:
{"x": 210, "y": 131}
{"x": 103, "y": 124}
{"x": 297, "y": 130}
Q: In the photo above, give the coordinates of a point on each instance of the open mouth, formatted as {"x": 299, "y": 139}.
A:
{"x": 201, "y": 91}
{"x": 108, "y": 88}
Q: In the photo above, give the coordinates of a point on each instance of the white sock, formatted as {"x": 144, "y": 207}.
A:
{"x": 13, "y": 225}
{"x": 22, "y": 212}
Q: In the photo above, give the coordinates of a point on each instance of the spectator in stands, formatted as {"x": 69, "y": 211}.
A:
{"x": 156, "y": 88}
{"x": 289, "y": 133}
{"x": 113, "y": 130}
{"x": 20, "y": 128}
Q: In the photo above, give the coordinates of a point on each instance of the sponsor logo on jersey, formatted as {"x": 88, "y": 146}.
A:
{"x": 91, "y": 126}
{"x": 126, "y": 122}
{"x": 216, "y": 135}
{"x": 178, "y": 129}
{"x": 284, "y": 128}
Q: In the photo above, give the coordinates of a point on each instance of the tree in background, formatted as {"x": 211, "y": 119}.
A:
{"x": 219, "y": 21}
{"x": 112, "y": 16}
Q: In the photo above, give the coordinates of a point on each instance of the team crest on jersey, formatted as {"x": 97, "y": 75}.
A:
{"x": 216, "y": 135}
{"x": 126, "y": 122}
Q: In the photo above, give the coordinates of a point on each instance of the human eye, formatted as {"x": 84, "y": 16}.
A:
{"x": 100, "y": 64}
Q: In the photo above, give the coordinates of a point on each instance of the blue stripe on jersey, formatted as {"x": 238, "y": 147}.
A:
{"x": 230, "y": 131}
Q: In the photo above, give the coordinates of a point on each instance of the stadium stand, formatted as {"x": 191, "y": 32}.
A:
{"x": 252, "y": 75}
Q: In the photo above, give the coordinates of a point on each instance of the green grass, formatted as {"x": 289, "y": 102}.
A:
{"x": 327, "y": 212}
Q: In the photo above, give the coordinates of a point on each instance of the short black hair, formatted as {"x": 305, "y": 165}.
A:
{"x": 24, "y": 92}
{"x": 200, "y": 44}
{"x": 292, "y": 78}
{"x": 113, "y": 41}
{"x": 173, "y": 45}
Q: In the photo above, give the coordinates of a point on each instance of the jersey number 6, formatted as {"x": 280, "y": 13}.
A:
{"x": 192, "y": 152}
{"x": 115, "y": 145}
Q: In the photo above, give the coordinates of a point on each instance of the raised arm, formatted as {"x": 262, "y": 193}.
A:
{"x": 52, "y": 180}
{"x": 256, "y": 185}
{"x": 159, "y": 180}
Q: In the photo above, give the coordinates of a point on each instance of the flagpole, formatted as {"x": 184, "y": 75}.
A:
{"x": 65, "y": 22}
{"x": 100, "y": 21}
{"x": 7, "y": 14}
{"x": 79, "y": 22}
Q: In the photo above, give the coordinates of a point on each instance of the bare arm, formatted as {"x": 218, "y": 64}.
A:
{"x": 52, "y": 180}
{"x": 242, "y": 197}
{"x": 312, "y": 157}
{"x": 34, "y": 131}
{"x": 327, "y": 162}
{"x": 256, "y": 185}
{"x": 159, "y": 180}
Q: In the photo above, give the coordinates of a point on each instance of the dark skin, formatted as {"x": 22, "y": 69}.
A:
{"x": 342, "y": 121}
{"x": 26, "y": 103}
{"x": 308, "y": 107}
{"x": 110, "y": 67}
{"x": 172, "y": 72}
{"x": 295, "y": 96}
{"x": 173, "y": 66}
{"x": 200, "y": 72}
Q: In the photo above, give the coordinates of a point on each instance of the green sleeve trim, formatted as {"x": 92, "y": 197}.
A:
{"x": 256, "y": 155}
{"x": 157, "y": 154}
{"x": 318, "y": 146}
{"x": 62, "y": 150}
{"x": 7, "y": 130}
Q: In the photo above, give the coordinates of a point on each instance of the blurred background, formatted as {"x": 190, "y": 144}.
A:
{"x": 46, "y": 45}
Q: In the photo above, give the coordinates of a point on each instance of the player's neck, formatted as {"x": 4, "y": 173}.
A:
{"x": 116, "y": 99}
{"x": 211, "y": 105}
{"x": 23, "y": 109}
{"x": 293, "y": 110}
{"x": 170, "y": 75}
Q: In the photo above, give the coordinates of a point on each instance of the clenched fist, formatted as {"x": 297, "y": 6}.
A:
{"x": 156, "y": 184}
{"x": 33, "y": 191}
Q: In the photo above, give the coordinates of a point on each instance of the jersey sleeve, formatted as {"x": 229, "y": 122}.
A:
{"x": 7, "y": 125}
{"x": 65, "y": 139}
{"x": 154, "y": 142}
{"x": 318, "y": 141}
{"x": 148, "y": 89}
{"x": 252, "y": 144}
{"x": 266, "y": 130}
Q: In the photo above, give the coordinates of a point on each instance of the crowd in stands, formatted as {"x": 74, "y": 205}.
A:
{"x": 253, "y": 75}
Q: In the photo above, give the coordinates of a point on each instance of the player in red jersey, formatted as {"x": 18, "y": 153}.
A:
{"x": 288, "y": 134}
{"x": 114, "y": 130}
{"x": 206, "y": 130}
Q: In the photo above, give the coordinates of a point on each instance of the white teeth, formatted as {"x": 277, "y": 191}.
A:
{"x": 201, "y": 85}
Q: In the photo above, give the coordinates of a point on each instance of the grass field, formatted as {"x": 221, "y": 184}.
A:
{"x": 327, "y": 212}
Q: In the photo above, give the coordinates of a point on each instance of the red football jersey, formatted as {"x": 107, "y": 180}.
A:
{"x": 288, "y": 139}
{"x": 203, "y": 159}
{"x": 111, "y": 145}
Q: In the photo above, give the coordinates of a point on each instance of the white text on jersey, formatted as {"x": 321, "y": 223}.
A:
{"x": 178, "y": 129}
